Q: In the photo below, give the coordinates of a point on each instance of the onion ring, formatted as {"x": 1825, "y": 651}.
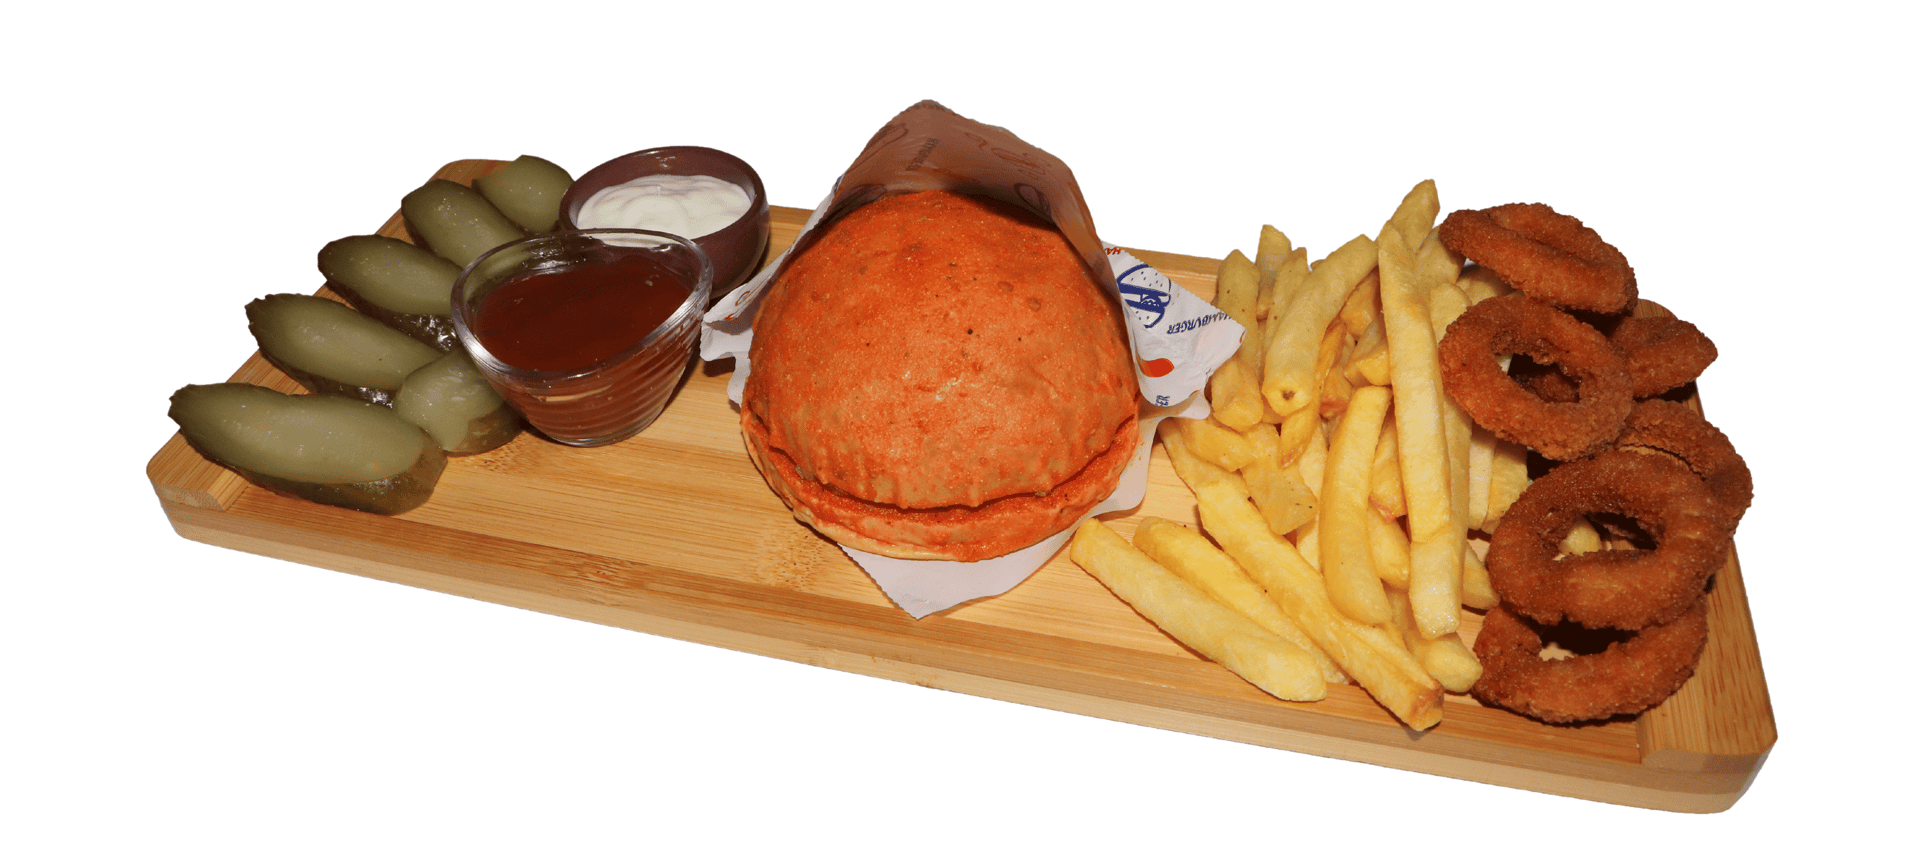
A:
{"x": 1543, "y": 380}
{"x": 1628, "y": 677}
{"x": 1544, "y": 254}
{"x": 1663, "y": 353}
{"x": 1676, "y": 430}
{"x": 1619, "y": 588}
{"x": 1519, "y": 325}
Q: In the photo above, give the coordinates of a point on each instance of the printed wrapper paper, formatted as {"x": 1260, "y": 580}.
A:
{"x": 1178, "y": 339}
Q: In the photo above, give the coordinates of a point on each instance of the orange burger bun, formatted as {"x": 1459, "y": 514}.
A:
{"x": 940, "y": 376}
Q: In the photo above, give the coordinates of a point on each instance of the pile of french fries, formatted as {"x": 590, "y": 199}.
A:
{"x": 1337, "y": 484}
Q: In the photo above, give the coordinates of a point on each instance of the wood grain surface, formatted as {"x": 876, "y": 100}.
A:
{"x": 674, "y": 533}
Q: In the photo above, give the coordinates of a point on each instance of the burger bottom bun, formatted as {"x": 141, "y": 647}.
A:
{"x": 960, "y": 533}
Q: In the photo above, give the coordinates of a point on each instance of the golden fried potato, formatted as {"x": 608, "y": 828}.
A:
{"x": 1274, "y": 248}
{"x": 1393, "y": 678}
{"x": 1414, "y": 216}
{"x": 1277, "y": 488}
{"x": 1420, "y": 419}
{"x": 1236, "y": 293}
{"x": 1186, "y": 552}
{"x": 1290, "y": 380}
{"x": 1214, "y": 442}
{"x": 1508, "y": 478}
{"x": 1193, "y": 470}
{"x": 1392, "y": 554}
{"x": 1447, "y": 659}
{"x": 1234, "y": 395}
{"x": 1346, "y": 547}
{"x": 1388, "y": 495}
{"x": 1183, "y": 611}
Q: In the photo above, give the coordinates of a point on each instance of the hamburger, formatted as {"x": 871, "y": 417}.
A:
{"x": 940, "y": 376}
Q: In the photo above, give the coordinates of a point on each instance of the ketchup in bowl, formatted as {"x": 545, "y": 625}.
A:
{"x": 585, "y": 332}
{"x": 576, "y": 317}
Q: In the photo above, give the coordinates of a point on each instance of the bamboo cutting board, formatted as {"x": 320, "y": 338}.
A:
{"x": 674, "y": 533}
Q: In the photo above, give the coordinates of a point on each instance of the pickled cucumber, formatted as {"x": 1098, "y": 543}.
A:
{"x": 455, "y": 221}
{"x": 451, "y": 400}
{"x": 396, "y": 282}
{"x": 332, "y": 349}
{"x": 527, "y": 190}
{"x": 323, "y": 448}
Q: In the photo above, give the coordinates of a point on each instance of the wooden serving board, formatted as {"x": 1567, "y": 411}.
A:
{"x": 674, "y": 533}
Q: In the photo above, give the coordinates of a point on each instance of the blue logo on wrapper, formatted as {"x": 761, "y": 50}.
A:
{"x": 1147, "y": 294}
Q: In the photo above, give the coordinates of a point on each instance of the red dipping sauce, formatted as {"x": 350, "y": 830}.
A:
{"x": 586, "y": 338}
{"x": 576, "y": 317}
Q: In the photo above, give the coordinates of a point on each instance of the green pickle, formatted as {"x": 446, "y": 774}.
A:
{"x": 327, "y": 449}
{"x": 453, "y": 402}
{"x": 396, "y": 282}
{"x": 455, "y": 221}
{"x": 528, "y": 191}
{"x": 331, "y": 348}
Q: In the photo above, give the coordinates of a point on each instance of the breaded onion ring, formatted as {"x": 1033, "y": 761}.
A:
{"x": 1628, "y": 677}
{"x": 1674, "y": 429}
{"x": 1547, "y": 255}
{"x": 1543, "y": 380}
{"x": 1519, "y": 325}
{"x": 1626, "y": 588}
{"x": 1662, "y": 353}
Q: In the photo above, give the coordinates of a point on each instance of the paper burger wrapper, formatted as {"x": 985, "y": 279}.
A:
{"x": 1178, "y": 339}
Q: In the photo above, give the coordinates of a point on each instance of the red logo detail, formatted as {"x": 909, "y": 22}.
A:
{"x": 1155, "y": 368}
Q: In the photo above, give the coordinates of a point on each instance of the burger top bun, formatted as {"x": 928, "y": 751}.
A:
{"x": 934, "y": 350}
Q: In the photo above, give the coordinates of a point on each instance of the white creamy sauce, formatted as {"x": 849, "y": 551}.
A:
{"x": 690, "y": 206}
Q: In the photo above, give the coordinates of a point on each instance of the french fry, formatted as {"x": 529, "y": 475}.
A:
{"x": 1277, "y": 489}
{"x": 1476, "y": 587}
{"x": 1313, "y": 461}
{"x": 1270, "y": 662}
{"x": 1388, "y": 495}
{"x": 1335, "y": 389}
{"x": 1481, "y": 283}
{"x": 1417, "y": 396}
{"x": 1193, "y": 470}
{"x": 1425, "y": 458}
{"x": 1508, "y": 479}
{"x": 1362, "y": 307}
{"x": 1435, "y": 582}
{"x": 1445, "y": 302}
{"x": 1289, "y": 275}
{"x": 1410, "y": 695}
{"x": 1273, "y": 249}
{"x": 1234, "y": 395}
{"x": 1370, "y": 362}
{"x": 1289, "y": 380}
{"x": 1479, "y": 476}
{"x": 1391, "y": 647}
{"x": 1583, "y": 538}
{"x": 1447, "y": 659}
{"x": 1297, "y": 429}
{"x": 1313, "y": 465}
{"x": 1434, "y": 264}
{"x": 1186, "y": 552}
{"x": 1298, "y": 426}
{"x": 1236, "y": 293}
{"x": 1414, "y": 217}
{"x": 1346, "y": 548}
{"x": 1214, "y": 442}
{"x": 1392, "y": 556}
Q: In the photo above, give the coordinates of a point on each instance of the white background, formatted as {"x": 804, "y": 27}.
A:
{"x": 169, "y": 162}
